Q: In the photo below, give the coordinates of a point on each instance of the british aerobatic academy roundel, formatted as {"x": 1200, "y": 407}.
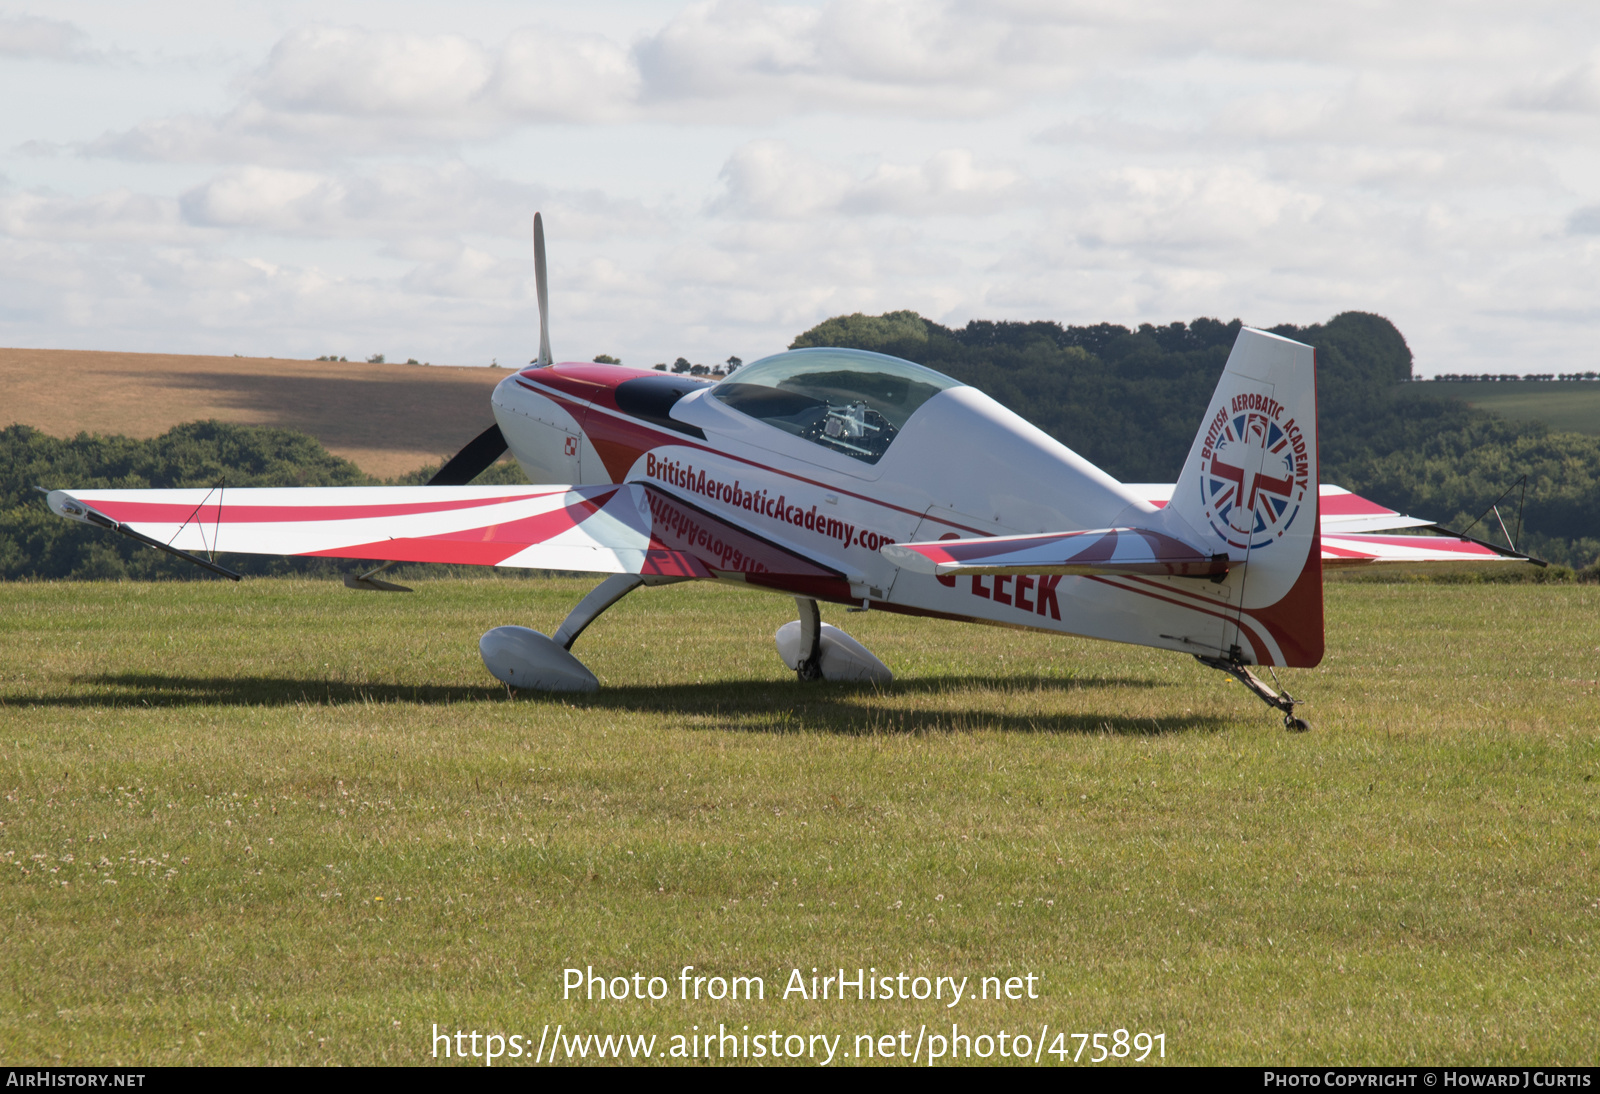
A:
{"x": 1250, "y": 508}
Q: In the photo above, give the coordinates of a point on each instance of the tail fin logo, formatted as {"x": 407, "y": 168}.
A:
{"x": 1256, "y": 472}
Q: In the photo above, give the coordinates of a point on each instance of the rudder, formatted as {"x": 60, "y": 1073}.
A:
{"x": 1249, "y": 490}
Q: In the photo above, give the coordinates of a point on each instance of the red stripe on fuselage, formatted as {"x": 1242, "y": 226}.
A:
{"x": 682, "y": 526}
{"x": 1167, "y": 594}
{"x": 628, "y": 447}
{"x": 581, "y": 380}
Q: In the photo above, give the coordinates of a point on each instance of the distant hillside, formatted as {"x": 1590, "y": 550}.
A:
{"x": 1131, "y": 400}
{"x": 1570, "y": 405}
{"x": 387, "y": 419}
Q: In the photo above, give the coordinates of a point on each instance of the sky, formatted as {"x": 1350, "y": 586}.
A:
{"x": 346, "y": 177}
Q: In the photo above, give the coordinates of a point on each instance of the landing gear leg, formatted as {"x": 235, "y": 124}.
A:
{"x": 1277, "y": 700}
{"x": 601, "y": 597}
{"x": 523, "y": 658}
{"x": 810, "y": 666}
{"x": 370, "y": 580}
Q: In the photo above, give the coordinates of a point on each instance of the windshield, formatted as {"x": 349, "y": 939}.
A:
{"x": 849, "y": 400}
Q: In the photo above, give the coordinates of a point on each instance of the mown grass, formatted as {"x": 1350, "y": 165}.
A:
{"x": 287, "y": 822}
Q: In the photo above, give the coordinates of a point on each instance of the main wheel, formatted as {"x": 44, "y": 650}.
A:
{"x": 1296, "y": 725}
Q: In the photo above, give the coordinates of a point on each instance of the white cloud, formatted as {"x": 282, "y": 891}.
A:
{"x": 333, "y": 90}
{"x": 743, "y": 58}
{"x": 328, "y": 89}
{"x": 259, "y": 197}
{"x": 134, "y": 298}
{"x": 772, "y": 179}
{"x": 118, "y": 215}
{"x": 1576, "y": 91}
{"x": 373, "y": 74}
{"x": 393, "y": 204}
{"x": 1585, "y": 221}
{"x": 739, "y": 170}
{"x": 32, "y": 37}
{"x": 950, "y": 181}
{"x": 325, "y": 93}
{"x": 542, "y": 75}
{"x": 1184, "y": 207}
{"x": 469, "y": 274}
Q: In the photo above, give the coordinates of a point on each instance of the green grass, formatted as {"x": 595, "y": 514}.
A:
{"x": 1570, "y": 405}
{"x": 285, "y": 822}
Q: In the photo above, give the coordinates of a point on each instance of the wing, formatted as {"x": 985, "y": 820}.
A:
{"x": 1349, "y": 523}
{"x": 616, "y": 528}
{"x": 1342, "y": 551}
{"x": 1345, "y": 513}
{"x": 1102, "y": 551}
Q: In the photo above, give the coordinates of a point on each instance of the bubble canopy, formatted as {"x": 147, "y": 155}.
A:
{"x": 850, "y": 400}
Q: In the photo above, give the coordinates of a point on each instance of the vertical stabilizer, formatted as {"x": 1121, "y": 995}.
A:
{"x": 1249, "y": 490}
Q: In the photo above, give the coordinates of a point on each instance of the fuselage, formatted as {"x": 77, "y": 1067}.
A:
{"x": 960, "y": 465}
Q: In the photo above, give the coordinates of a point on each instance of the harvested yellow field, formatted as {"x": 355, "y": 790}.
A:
{"x": 387, "y": 419}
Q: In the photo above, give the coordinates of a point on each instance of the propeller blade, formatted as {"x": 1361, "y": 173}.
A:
{"x": 541, "y": 283}
{"x": 478, "y": 456}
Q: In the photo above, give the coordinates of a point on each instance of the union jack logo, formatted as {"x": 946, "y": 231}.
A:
{"x": 1248, "y": 485}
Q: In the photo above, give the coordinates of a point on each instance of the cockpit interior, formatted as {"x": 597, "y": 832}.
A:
{"x": 852, "y": 401}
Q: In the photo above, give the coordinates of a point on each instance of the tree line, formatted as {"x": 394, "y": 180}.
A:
{"x": 1130, "y": 400}
{"x": 1505, "y": 377}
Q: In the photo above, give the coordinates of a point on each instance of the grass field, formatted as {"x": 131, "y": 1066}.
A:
{"x": 1571, "y": 405}
{"x": 284, "y": 822}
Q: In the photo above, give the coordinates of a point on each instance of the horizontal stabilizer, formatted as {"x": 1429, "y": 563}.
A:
{"x": 1102, "y": 551}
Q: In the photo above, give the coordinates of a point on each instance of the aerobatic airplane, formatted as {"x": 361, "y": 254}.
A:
{"x": 858, "y": 479}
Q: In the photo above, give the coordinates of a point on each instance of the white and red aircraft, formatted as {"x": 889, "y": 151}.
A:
{"x": 857, "y": 479}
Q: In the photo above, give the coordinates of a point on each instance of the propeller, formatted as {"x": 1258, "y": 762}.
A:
{"x": 477, "y": 457}
{"x": 483, "y": 450}
{"x": 541, "y": 284}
